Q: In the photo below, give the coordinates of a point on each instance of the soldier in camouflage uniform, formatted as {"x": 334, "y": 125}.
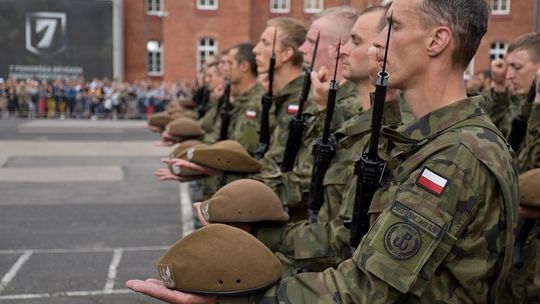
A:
{"x": 512, "y": 78}
{"x": 332, "y": 24}
{"x": 291, "y": 34}
{"x": 442, "y": 231}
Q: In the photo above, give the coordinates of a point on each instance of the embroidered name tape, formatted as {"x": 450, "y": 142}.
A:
{"x": 293, "y": 109}
{"x": 432, "y": 182}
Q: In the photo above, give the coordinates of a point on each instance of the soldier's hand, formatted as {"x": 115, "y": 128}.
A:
{"x": 168, "y": 137}
{"x": 165, "y": 174}
{"x": 156, "y": 289}
{"x": 163, "y": 143}
{"x": 197, "y": 207}
{"x": 320, "y": 82}
{"x": 187, "y": 164}
{"x": 153, "y": 128}
{"x": 498, "y": 72}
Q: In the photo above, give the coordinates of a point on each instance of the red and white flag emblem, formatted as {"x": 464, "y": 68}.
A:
{"x": 292, "y": 109}
{"x": 432, "y": 182}
{"x": 251, "y": 114}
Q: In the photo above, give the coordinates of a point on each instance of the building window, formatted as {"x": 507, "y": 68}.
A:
{"x": 154, "y": 58}
{"x": 206, "y": 47}
{"x": 207, "y": 4}
{"x": 154, "y": 7}
{"x": 313, "y": 6}
{"x": 500, "y": 7}
{"x": 280, "y": 6}
{"x": 497, "y": 50}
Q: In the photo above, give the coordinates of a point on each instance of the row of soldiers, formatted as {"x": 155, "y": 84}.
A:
{"x": 332, "y": 194}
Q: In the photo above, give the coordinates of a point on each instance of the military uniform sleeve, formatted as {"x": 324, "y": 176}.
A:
{"x": 529, "y": 157}
{"x": 500, "y": 103}
{"x": 434, "y": 243}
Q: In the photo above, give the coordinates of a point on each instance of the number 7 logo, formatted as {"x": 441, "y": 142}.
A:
{"x": 45, "y": 33}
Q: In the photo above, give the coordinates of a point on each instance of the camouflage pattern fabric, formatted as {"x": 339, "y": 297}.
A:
{"x": 504, "y": 107}
{"x": 529, "y": 155}
{"x": 291, "y": 186}
{"x": 279, "y": 120}
{"x": 208, "y": 120}
{"x": 440, "y": 237}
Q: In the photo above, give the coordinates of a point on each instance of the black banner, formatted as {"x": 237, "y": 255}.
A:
{"x": 50, "y": 39}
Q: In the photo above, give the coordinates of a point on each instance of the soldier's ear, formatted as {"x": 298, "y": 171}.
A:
{"x": 438, "y": 41}
{"x": 244, "y": 66}
{"x": 286, "y": 54}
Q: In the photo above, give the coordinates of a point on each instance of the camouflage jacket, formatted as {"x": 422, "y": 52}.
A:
{"x": 442, "y": 227}
{"x": 317, "y": 246}
{"x": 504, "y": 107}
{"x": 209, "y": 119}
{"x": 291, "y": 186}
{"x": 529, "y": 155}
{"x": 284, "y": 105}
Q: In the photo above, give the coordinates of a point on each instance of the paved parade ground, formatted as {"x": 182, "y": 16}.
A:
{"x": 81, "y": 211}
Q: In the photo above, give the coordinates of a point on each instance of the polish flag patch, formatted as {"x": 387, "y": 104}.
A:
{"x": 251, "y": 114}
{"x": 432, "y": 182}
{"x": 293, "y": 109}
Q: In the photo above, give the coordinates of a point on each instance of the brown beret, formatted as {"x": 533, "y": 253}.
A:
{"x": 183, "y": 146}
{"x": 161, "y": 119}
{"x": 529, "y": 188}
{"x": 187, "y": 103}
{"x": 244, "y": 200}
{"x": 226, "y": 155}
{"x": 185, "y": 128}
{"x": 180, "y": 152}
{"x": 221, "y": 260}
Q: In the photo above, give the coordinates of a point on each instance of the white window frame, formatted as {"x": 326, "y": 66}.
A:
{"x": 154, "y": 7}
{"x": 152, "y": 69}
{"x": 286, "y": 9}
{"x": 207, "y": 49}
{"x": 309, "y": 6}
{"x": 469, "y": 71}
{"x": 497, "y": 7}
{"x": 499, "y": 51}
{"x": 204, "y": 5}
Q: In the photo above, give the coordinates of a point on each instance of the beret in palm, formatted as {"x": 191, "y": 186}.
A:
{"x": 161, "y": 119}
{"x": 244, "y": 200}
{"x": 226, "y": 155}
{"x": 219, "y": 259}
{"x": 185, "y": 128}
{"x": 179, "y": 152}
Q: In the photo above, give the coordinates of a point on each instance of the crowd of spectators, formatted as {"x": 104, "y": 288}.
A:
{"x": 97, "y": 99}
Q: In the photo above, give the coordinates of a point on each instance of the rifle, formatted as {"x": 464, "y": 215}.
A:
{"x": 201, "y": 97}
{"x": 298, "y": 123}
{"x": 266, "y": 100}
{"x": 323, "y": 151}
{"x": 520, "y": 122}
{"x": 369, "y": 168}
{"x": 225, "y": 112}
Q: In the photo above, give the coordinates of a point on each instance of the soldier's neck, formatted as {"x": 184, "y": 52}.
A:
{"x": 245, "y": 84}
{"x": 364, "y": 88}
{"x": 436, "y": 90}
{"x": 284, "y": 75}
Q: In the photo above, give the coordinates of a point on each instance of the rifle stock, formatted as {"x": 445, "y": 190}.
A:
{"x": 298, "y": 123}
{"x": 225, "y": 112}
{"x": 323, "y": 151}
{"x": 266, "y": 101}
{"x": 369, "y": 168}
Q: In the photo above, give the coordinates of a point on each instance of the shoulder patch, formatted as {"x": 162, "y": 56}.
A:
{"x": 402, "y": 241}
{"x": 432, "y": 182}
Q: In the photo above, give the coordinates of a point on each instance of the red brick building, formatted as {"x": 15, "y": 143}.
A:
{"x": 165, "y": 39}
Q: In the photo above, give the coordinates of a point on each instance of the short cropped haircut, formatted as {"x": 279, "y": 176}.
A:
{"x": 382, "y": 23}
{"x": 244, "y": 52}
{"x": 467, "y": 19}
{"x": 529, "y": 42}
{"x": 342, "y": 17}
{"x": 291, "y": 33}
